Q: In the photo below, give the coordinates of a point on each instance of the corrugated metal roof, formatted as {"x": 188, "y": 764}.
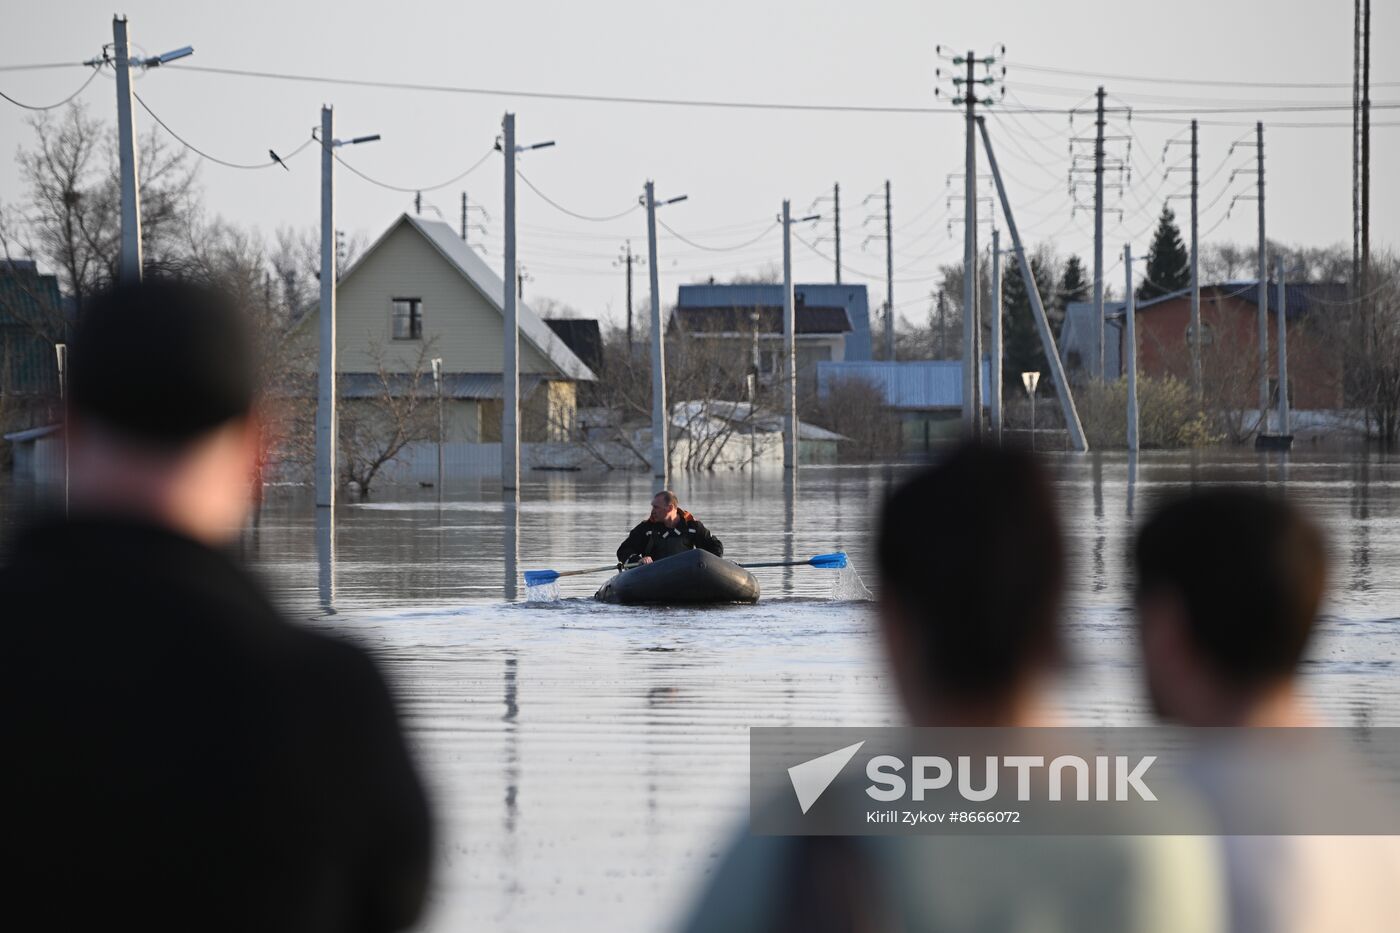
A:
{"x": 485, "y": 279}
{"x": 917, "y": 385}
{"x": 854, "y": 298}
{"x": 464, "y": 386}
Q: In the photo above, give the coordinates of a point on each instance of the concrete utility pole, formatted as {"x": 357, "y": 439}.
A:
{"x": 889, "y": 274}
{"x": 1196, "y": 385}
{"x": 994, "y": 388}
{"x": 790, "y": 422}
{"x": 971, "y": 413}
{"x": 130, "y": 267}
{"x": 1263, "y": 290}
{"x": 628, "y": 258}
{"x": 790, "y": 425}
{"x": 326, "y": 422}
{"x": 660, "y": 414}
{"x": 1284, "y": 427}
{"x": 836, "y": 226}
{"x": 327, "y": 425}
{"x": 1130, "y": 338}
{"x": 1356, "y": 152}
{"x": 1042, "y": 323}
{"x": 1098, "y": 234}
{"x": 510, "y": 349}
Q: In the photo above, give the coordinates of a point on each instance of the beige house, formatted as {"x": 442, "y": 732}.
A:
{"x": 419, "y": 292}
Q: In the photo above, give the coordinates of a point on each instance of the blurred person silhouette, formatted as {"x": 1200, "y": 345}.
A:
{"x": 971, "y": 563}
{"x": 1229, "y": 583}
{"x": 177, "y": 756}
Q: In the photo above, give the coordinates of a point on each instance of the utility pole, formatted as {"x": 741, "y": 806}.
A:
{"x": 994, "y": 389}
{"x": 326, "y": 421}
{"x": 417, "y": 202}
{"x": 326, "y": 396}
{"x": 1356, "y": 153}
{"x": 464, "y": 217}
{"x": 1098, "y": 232}
{"x": 437, "y": 384}
{"x": 130, "y": 268}
{"x": 510, "y": 350}
{"x": 1130, "y": 338}
{"x": 889, "y": 274}
{"x": 1042, "y": 323}
{"x": 1263, "y": 289}
{"x": 790, "y": 422}
{"x": 1366, "y": 164}
{"x": 660, "y": 415}
{"x": 971, "y": 416}
{"x": 1284, "y": 427}
{"x": 628, "y": 258}
{"x": 1196, "y": 385}
{"x": 836, "y": 226}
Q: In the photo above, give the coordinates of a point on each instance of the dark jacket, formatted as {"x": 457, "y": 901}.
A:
{"x": 655, "y": 540}
{"x": 178, "y": 757}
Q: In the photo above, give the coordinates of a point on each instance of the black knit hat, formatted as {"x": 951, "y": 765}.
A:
{"x": 162, "y": 361}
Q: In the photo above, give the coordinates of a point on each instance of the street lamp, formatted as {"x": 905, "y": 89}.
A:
{"x": 1030, "y": 381}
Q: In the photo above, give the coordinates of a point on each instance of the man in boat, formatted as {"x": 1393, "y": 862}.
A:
{"x": 178, "y": 756}
{"x": 669, "y": 530}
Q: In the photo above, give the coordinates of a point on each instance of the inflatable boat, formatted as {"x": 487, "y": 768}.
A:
{"x": 692, "y": 578}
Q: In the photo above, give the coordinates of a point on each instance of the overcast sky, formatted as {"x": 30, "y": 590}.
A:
{"x": 735, "y": 165}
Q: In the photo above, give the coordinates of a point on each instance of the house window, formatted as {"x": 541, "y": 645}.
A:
{"x": 1206, "y": 337}
{"x": 408, "y": 319}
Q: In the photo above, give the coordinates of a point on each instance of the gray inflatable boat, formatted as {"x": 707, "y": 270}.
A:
{"x": 694, "y": 578}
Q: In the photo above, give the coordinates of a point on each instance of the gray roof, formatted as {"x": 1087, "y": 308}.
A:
{"x": 454, "y": 385}
{"x": 916, "y": 385}
{"x": 763, "y": 294}
{"x": 488, "y": 282}
{"x": 1303, "y": 297}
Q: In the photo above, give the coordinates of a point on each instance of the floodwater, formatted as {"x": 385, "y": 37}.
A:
{"x": 588, "y": 762}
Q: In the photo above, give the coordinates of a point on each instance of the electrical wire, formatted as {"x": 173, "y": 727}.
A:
{"x": 382, "y": 184}
{"x": 716, "y": 249}
{"x": 575, "y": 214}
{"x": 1199, "y": 82}
{"x": 65, "y": 100}
{"x": 213, "y": 158}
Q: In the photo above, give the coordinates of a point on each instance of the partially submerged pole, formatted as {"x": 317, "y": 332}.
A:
{"x": 1130, "y": 338}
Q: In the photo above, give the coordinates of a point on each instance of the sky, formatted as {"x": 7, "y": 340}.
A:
{"x": 737, "y": 165}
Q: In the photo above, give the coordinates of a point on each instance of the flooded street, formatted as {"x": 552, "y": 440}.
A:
{"x": 588, "y": 761}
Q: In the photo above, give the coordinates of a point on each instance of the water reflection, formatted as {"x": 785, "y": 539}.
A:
{"x": 1132, "y": 482}
{"x": 325, "y": 559}
{"x": 512, "y": 745}
{"x": 510, "y": 547}
{"x": 1100, "y": 534}
{"x": 1361, "y": 527}
{"x": 789, "y": 524}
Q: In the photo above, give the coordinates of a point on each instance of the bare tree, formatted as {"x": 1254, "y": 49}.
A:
{"x": 374, "y": 431}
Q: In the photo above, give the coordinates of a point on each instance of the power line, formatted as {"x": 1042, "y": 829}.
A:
{"x": 212, "y": 158}
{"x": 715, "y": 249}
{"x": 1199, "y": 82}
{"x": 418, "y": 188}
{"x": 575, "y": 214}
{"x": 65, "y": 100}
{"x": 711, "y": 103}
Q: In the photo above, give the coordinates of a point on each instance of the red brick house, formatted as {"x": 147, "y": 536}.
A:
{"x": 1230, "y": 342}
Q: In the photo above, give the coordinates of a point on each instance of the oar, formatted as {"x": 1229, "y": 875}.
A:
{"x": 834, "y": 561}
{"x": 823, "y": 561}
{"x": 541, "y": 577}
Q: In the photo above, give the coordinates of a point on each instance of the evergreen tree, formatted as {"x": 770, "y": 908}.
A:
{"x": 1168, "y": 262}
{"x": 1021, "y": 350}
{"x": 1074, "y": 284}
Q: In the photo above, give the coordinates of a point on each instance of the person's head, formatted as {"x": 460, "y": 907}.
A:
{"x": 1228, "y": 587}
{"x": 161, "y": 388}
{"x": 665, "y": 507}
{"x": 971, "y": 566}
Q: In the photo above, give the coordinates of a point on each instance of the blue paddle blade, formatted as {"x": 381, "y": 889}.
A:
{"x": 829, "y": 561}
{"x": 541, "y": 577}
